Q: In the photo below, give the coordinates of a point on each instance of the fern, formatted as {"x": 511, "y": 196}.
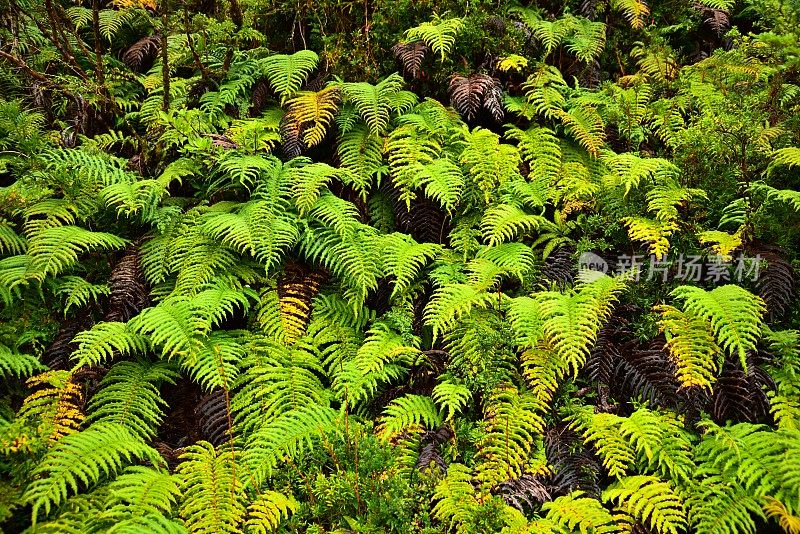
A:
{"x": 374, "y": 103}
{"x": 105, "y": 340}
{"x": 313, "y": 113}
{"x": 584, "y": 124}
{"x": 286, "y": 73}
{"x": 129, "y": 396}
{"x": 143, "y": 498}
{"x": 582, "y": 513}
{"x": 691, "y": 345}
{"x": 655, "y": 233}
{"x": 266, "y": 512}
{"x": 439, "y": 34}
{"x": 734, "y": 313}
{"x": 409, "y": 414}
{"x": 84, "y": 457}
{"x": 212, "y": 492}
{"x": 513, "y": 421}
{"x": 451, "y": 397}
{"x": 648, "y": 500}
{"x": 55, "y": 250}
{"x": 453, "y": 301}
{"x": 288, "y": 435}
{"x": 18, "y": 364}
{"x": 634, "y": 10}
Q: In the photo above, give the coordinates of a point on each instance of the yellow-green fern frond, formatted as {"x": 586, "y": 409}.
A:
{"x": 691, "y": 345}
{"x": 734, "y": 313}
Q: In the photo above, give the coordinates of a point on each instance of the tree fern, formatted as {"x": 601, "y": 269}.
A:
{"x": 286, "y": 73}
{"x": 734, "y": 313}
{"x": 267, "y": 510}
{"x": 212, "y": 492}
{"x": 130, "y": 397}
{"x": 313, "y": 113}
{"x": 691, "y": 345}
{"x": 649, "y": 501}
{"x": 439, "y": 34}
{"x": 513, "y": 421}
{"x": 84, "y": 457}
{"x": 411, "y": 413}
{"x": 374, "y": 102}
{"x": 18, "y": 364}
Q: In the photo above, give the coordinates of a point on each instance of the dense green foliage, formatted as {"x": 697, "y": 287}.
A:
{"x": 314, "y": 267}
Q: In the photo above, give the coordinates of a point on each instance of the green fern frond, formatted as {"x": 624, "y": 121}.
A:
{"x": 105, "y": 340}
{"x": 544, "y": 91}
{"x": 505, "y": 222}
{"x": 361, "y": 152}
{"x": 213, "y": 495}
{"x": 140, "y": 497}
{"x": 275, "y": 379}
{"x": 374, "y": 102}
{"x": 663, "y": 200}
{"x": 489, "y": 162}
{"x": 266, "y": 512}
{"x": 513, "y": 421}
{"x": 691, "y": 345}
{"x": 79, "y": 292}
{"x": 308, "y": 182}
{"x": 734, "y": 313}
{"x": 634, "y": 10}
{"x": 631, "y": 170}
{"x": 721, "y": 507}
{"x": 602, "y": 431}
{"x": 383, "y": 346}
{"x": 55, "y": 250}
{"x": 439, "y": 34}
{"x": 404, "y": 258}
{"x": 582, "y": 514}
{"x": 453, "y": 301}
{"x": 789, "y": 157}
{"x": 584, "y": 124}
{"x": 216, "y": 363}
{"x": 286, "y": 73}
{"x": 650, "y": 501}
{"x": 410, "y": 413}
{"x": 129, "y": 395}
{"x": 290, "y": 434}
{"x": 787, "y": 196}
{"x": 541, "y": 149}
{"x": 10, "y": 241}
{"x": 443, "y": 181}
{"x": 451, "y": 397}
{"x": 84, "y": 458}
{"x": 587, "y": 40}
{"x": 14, "y": 363}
